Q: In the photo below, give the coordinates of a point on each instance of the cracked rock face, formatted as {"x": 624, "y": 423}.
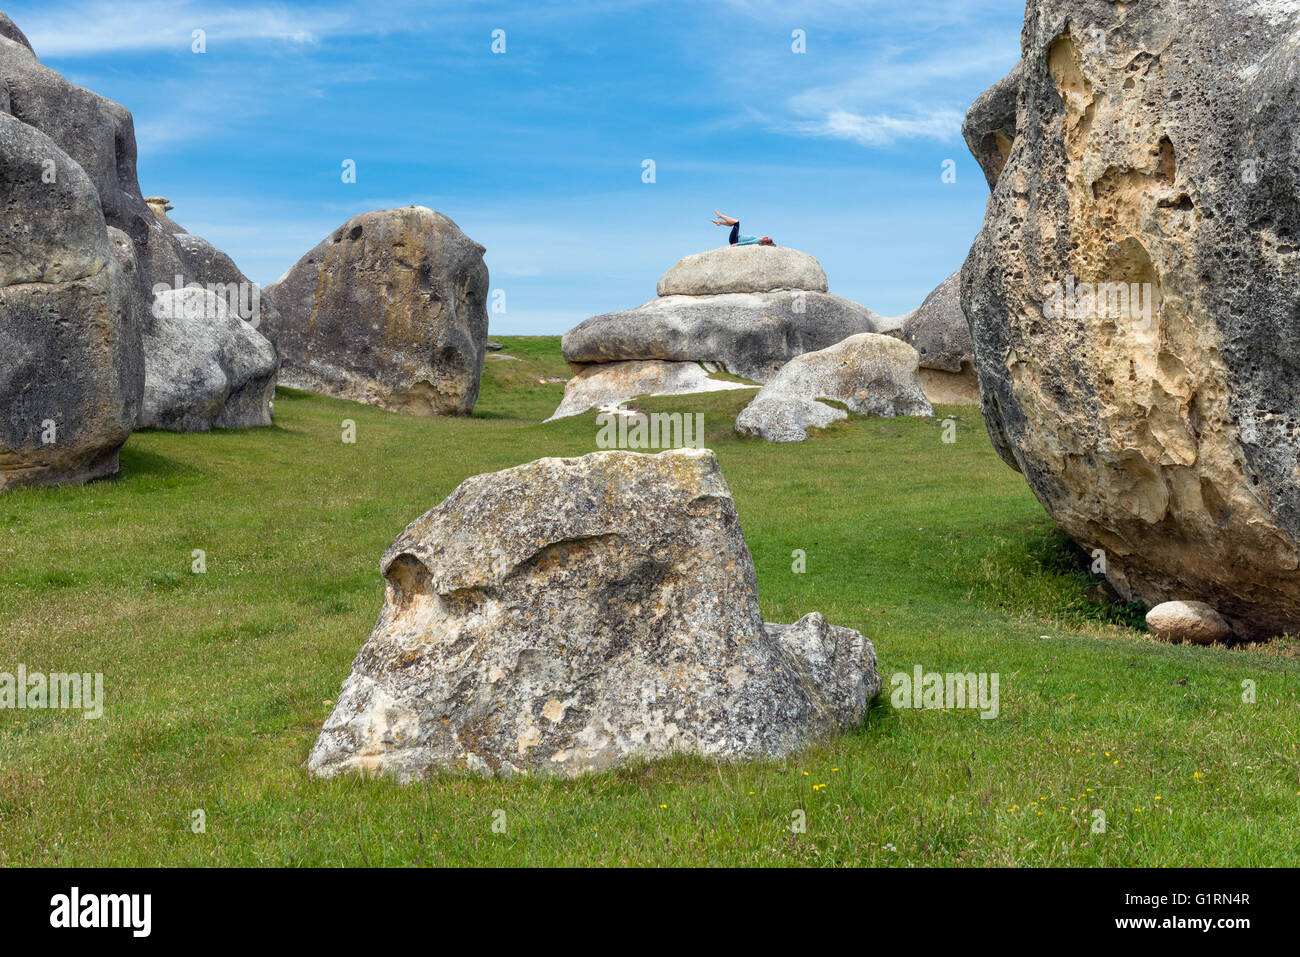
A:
{"x": 71, "y": 373}
{"x": 872, "y": 374}
{"x": 1134, "y": 294}
{"x": 568, "y": 614}
{"x": 390, "y": 309}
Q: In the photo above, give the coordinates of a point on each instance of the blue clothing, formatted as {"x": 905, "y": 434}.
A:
{"x": 738, "y": 240}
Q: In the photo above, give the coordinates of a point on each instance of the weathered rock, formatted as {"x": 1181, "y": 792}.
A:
{"x": 871, "y": 374}
{"x": 391, "y": 310}
{"x": 614, "y": 382}
{"x": 71, "y": 374}
{"x": 1161, "y": 426}
{"x": 1190, "y": 621}
{"x": 100, "y": 136}
{"x": 748, "y": 334}
{"x": 743, "y": 269}
{"x": 990, "y": 125}
{"x": 569, "y": 614}
{"x": 205, "y": 367}
{"x": 938, "y": 331}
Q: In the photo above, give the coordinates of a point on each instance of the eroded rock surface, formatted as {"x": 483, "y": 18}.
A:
{"x": 871, "y": 374}
{"x": 390, "y": 309}
{"x": 749, "y": 334}
{"x": 99, "y": 136}
{"x": 938, "y": 331}
{"x": 569, "y": 614}
{"x": 71, "y": 373}
{"x": 205, "y": 367}
{"x": 1134, "y": 294}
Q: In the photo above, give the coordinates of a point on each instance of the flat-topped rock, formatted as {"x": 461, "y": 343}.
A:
{"x": 567, "y": 615}
{"x": 743, "y": 269}
{"x": 749, "y": 334}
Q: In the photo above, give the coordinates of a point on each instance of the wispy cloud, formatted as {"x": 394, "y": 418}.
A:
{"x": 94, "y": 27}
{"x": 883, "y": 129}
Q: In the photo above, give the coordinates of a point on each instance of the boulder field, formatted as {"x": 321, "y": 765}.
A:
{"x": 746, "y": 310}
{"x": 89, "y": 158}
{"x": 568, "y": 615}
{"x": 390, "y": 309}
{"x": 1134, "y": 293}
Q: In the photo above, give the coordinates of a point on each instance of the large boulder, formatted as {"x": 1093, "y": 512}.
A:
{"x": 611, "y": 383}
{"x": 100, "y": 136}
{"x": 938, "y": 331}
{"x": 569, "y": 614}
{"x": 389, "y": 309}
{"x": 205, "y": 367}
{"x": 871, "y": 374}
{"x": 72, "y": 375}
{"x": 1134, "y": 294}
{"x": 743, "y": 269}
{"x": 749, "y": 334}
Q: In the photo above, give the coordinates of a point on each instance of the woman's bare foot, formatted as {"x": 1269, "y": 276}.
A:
{"x": 723, "y": 220}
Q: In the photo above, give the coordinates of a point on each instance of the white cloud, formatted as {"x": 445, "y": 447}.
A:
{"x": 883, "y": 129}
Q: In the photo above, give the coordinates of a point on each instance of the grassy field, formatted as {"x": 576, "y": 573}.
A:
{"x": 216, "y": 684}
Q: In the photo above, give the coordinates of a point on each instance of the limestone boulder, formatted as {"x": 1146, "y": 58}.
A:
{"x": 750, "y": 335}
{"x": 205, "y": 367}
{"x": 938, "y": 331}
{"x": 568, "y": 615}
{"x": 99, "y": 135}
{"x": 390, "y": 309}
{"x": 1134, "y": 292}
{"x": 871, "y": 374}
{"x": 743, "y": 269}
{"x": 71, "y": 376}
{"x": 611, "y": 383}
{"x": 1194, "y": 622}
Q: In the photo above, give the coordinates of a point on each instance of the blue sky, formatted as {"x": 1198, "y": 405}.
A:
{"x": 537, "y": 153}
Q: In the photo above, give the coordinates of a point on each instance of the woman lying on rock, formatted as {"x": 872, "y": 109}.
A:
{"x": 736, "y": 238}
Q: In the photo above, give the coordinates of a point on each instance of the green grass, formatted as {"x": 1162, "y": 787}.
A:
{"x": 217, "y": 684}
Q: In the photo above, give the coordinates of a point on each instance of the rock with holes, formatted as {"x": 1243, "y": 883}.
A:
{"x": 941, "y": 336}
{"x": 611, "y": 383}
{"x": 1134, "y": 293}
{"x": 390, "y": 309}
{"x": 871, "y": 374}
{"x": 71, "y": 368}
{"x": 567, "y": 615}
